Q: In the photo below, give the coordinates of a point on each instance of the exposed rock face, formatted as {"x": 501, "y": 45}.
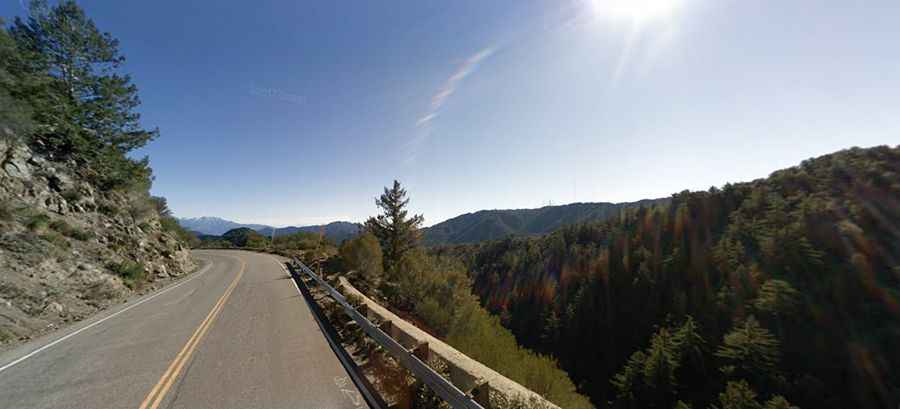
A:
{"x": 60, "y": 239}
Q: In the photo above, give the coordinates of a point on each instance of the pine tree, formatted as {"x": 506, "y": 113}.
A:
{"x": 628, "y": 381}
{"x": 777, "y": 297}
{"x": 659, "y": 370}
{"x": 738, "y": 395}
{"x": 749, "y": 350}
{"x": 779, "y": 402}
{"x": 649, "y": 378}
{"x": 93, "y": 104}
{"x": 681, "y": 405}
{"x": 15, "y": 110}
{"x": 396, "y": 231}
{"x": 551, "y": 330}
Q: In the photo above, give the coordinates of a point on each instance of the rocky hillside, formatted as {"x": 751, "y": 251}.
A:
{"x": 68, "y": 249}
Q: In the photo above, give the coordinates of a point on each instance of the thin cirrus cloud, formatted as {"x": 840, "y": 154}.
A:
{"x": 469, "y": 66}
{"x": 449, "y": 87}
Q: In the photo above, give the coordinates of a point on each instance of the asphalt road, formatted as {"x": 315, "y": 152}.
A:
{"x": 236, "y": 334}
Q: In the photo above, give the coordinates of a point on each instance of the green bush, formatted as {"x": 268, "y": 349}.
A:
{"x": 363, "y": 256}
{"x": 108, "y": 209}
{"x": 171, "y": 225}
{"x": 244, "y": 237}
{"x": 38, "y": 222}
{"x": 81, "y": 235}
{"x": 56, "y": 239}
{"x": 69, "y": 231}
{"x": 141, "y": 209}
{"x": 61, "y": 227}
{"x": 304, "y": 241}
{"x": 133, "y": 274}
{"x": 72, "y": 195}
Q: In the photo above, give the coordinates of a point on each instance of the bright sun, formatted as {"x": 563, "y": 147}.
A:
{"x": 638, "y": 10}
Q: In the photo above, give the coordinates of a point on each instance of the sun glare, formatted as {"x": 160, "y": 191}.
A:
{"x": 639, "y": 10}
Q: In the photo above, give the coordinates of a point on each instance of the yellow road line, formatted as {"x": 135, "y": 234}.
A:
{"x": 165, "y": 382}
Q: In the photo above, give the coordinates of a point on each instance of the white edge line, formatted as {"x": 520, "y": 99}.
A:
{"x": 45, "y": 347}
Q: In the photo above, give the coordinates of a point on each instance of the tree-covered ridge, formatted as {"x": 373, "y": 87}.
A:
{"x": 791, "y": 283}
{"x": 387, "y": 262}
{"x": 500, "y": 224}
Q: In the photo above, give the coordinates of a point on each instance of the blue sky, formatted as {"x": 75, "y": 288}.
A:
{"x": 293, "y": 112}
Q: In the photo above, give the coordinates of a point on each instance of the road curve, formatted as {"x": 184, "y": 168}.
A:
{"x": 236, "y": 334}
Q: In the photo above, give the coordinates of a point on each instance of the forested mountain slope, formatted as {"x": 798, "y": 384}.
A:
{"x": 334, "y": 231}
{"x": 499, "y": 224}
{"x": 785, "y": 286}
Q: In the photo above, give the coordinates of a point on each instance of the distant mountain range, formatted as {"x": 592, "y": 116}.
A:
{"x": 468, "y": 228}
{"x": 216, "y": 226}
{"x": 213, "y": 226}
{"x": 498, "y": 224}
{"x": 336, "y": 231}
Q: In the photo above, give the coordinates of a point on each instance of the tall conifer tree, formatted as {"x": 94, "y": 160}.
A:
{"x": 397, "y": 232}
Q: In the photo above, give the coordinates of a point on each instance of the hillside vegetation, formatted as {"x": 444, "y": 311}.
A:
{"x": 337, "y": 232}
{"x": 784, "y": 289}
{"x": 500, "y": 224}
{"x": 79, "y": 230}
{"x": 387, "y": 262}
{"x": 311, "y": 247}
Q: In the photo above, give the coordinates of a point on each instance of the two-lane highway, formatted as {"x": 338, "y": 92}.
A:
{"x": 236, "y": 334}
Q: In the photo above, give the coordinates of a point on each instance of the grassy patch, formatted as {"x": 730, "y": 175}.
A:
{"x": 141, "y": 209}
{"x": 56, "y": 239}
{"x": 38, "y": 222}
{"x": 70, "y": 231}
{"x": 108, "y": 209}
{"x": 6, "y": 212}
{"x": 5, "y": 335}
{"x": 133, "y": 274}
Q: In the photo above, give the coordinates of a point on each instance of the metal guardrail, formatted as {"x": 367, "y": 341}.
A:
{"x": 440, "y": 385}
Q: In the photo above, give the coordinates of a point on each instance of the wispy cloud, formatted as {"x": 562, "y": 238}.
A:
{"x": 450, "y": 86}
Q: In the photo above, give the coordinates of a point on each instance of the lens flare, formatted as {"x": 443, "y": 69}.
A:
{"x": 640, "y": 10}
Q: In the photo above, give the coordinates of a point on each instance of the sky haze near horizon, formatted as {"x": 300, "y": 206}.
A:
{"x": 295, "y": 113}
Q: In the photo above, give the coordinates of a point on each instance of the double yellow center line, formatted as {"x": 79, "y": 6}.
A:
{"x": 162, "y": 387}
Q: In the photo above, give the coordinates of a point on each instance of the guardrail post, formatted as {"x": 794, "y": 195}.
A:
{"x": 422, "y": 352}
{"x": 463, "y": 380}
{"x": 482, "y": 395}
{"x": 363, "y": 310}
{"x": 387, "y": 328}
